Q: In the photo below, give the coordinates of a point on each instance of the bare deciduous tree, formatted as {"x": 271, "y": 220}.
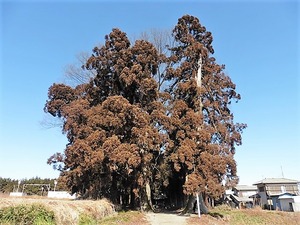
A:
{"x": 75, "y": 73}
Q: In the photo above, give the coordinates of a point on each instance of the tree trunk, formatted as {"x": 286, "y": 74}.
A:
{"x": 114, "y": 191}
{"x": 148, "y": 194}
{"x": 146, "y": 202}
{"x": 189, "y": 208}
{"x": 133, "y": 201}
{"x": 199, "y": 80}
{"x": 203, "y": 208}
{"x": 191, "y": 205}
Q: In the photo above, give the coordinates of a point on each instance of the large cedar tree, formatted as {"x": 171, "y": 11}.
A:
{"x": 128, "y": 139}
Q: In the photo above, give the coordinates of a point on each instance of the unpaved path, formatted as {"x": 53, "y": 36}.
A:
{"x": 166, "y": 218}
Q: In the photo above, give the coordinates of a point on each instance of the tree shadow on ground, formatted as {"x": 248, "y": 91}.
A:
{"x": 177, "y": 212}
{"x": 216, "y": 215}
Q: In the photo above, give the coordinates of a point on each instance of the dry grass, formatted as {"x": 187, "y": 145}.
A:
{"x": 257, "y": 216}
{"x": 66, "y": 211}
{"x": 102, "y": 212}
{"x": 125, "y": 218}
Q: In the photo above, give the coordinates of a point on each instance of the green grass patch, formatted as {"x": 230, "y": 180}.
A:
{"x": 85, "y": 219}
{"x": 27, "y": 214}
{"x": 243, "y": 218}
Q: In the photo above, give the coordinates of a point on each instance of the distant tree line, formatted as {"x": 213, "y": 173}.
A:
{"x": 149, "y": 122}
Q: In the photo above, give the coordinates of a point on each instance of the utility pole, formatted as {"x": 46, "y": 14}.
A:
{"x": 199, "y": 84}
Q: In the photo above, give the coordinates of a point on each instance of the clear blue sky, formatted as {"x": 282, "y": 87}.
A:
{"x": 257, "y": 41}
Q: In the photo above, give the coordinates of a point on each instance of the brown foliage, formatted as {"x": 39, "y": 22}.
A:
{"x": 125, "y": 133}
{"x": 203, "y": 130}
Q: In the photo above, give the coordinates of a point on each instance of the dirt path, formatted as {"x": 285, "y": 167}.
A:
{"x": 168, "y": 218}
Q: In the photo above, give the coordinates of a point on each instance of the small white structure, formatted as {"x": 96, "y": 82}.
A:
{"x": 60, "y": 194}
{"x": 17, "y": 194}
{"x": 289, "y": 203}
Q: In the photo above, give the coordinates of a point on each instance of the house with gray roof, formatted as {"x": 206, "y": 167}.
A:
{"x": 239, "y": 196}
{"x": 244, "y": 190}
{"x": 270, "y": 189}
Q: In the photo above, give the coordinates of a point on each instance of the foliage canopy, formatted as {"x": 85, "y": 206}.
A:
{"x": 129, "y": 140}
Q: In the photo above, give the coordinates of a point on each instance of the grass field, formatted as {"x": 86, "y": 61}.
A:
{"x": 44, "y": 211}
{"x": 227, "y": 216}
{"x": 125, "y": 218}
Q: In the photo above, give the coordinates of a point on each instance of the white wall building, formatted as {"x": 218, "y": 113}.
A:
{"x": 289, "y": 203}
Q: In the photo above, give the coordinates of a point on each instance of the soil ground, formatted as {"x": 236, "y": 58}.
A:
{"x": 166, "y": 218}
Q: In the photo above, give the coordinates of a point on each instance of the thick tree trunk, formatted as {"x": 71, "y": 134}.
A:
{"x": 146, "y": 202}
{"x": 199, "y": 80}
{"x": 203, "y": 208}
{"x": 148, "y": 194}
{"x": 134, "y": 199}
{"x": 191, "y": 205}
{"x": 114, "y": 191}
{"x": 189, "y": 208}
